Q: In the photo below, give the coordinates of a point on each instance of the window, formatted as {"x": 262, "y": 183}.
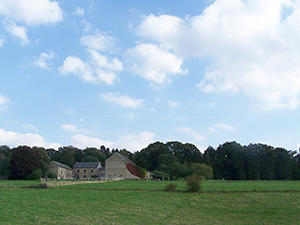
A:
{"x": 84, "y": 176}
{"x": 77, "y": 171}
{"x": 84, "y": 171}
{"x": 115, "y": 176}
{"x": 121, "y": 177}
{"x": 92, "y": 171}
{"x": 61, "y": 172}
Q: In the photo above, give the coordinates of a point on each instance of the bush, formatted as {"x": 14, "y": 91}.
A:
{"x": 52, "y": 175}
{"x": 35, "y": 175}
{"x": 193, "y": 183}
{"x": 171, "y": 187}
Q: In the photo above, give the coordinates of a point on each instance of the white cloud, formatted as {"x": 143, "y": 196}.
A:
{"x": 193, "y": 133}
{"x": 222, "y": 126}
{"x": 99, "y": 68}
{"x": 173, "y": 103}
{"x": 41, "y": 61}
{"x": 2, "y": 40}
{"x": 82, "y": 141}
{"x": 130, "y": 142}
{"x": 153, "y": 63}
{"x": 29, "y": 126}
{"x": 32, "y": 12}
{"x": 99, "y": 41}
{"x": 15, "y": 139}
{"x": 73, "y": 128}
{"x": 130, "y": 116}
{"x": 133, "y": 142}
{"x": 123, "y": 100}
{"x": 18, "y": 31}
{"x": 79, "y": 11}
{"x": 250, "y": 46}
{"x": 3, "y": 102}
{"x": 87, "y": 72}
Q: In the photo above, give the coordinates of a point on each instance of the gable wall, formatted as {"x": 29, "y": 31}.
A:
{"x": 115, "y": 168}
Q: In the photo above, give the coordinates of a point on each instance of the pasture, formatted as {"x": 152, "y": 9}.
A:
{"x": 207, "y": 185}
{"x": 130, "y": 202}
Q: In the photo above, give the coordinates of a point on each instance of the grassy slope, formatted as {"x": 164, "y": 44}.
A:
{"x": 64, "y": 206}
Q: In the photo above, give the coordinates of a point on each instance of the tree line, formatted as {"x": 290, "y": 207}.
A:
{"x": 173, "y": 160}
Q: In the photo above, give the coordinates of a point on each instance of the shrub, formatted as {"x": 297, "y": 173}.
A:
{"x": 52, "y": 175}
{"x": 171, "y": 187}
{"x": 35, "y": 175}
{"x": 193, "y": 183}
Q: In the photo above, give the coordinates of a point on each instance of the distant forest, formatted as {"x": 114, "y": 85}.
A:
{"x": 173, "y": 160}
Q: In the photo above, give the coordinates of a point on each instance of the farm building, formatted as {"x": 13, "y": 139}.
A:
{"x": 88, "y": 170}
{"x": 63, "y": 171}
{"x": 120, "y": 167}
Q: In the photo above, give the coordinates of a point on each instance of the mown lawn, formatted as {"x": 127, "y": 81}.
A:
{"x": 84, "y": 206}
{"x": 17, "y": 183}
{"x": 207, "y": 185}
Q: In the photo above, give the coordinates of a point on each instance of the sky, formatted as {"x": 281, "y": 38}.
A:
{"x": 125, "y": 74}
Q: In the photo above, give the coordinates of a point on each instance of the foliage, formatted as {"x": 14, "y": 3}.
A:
{"x": 23, "y": 162}
{"x": 35, "y": 175}
{"x": 136, "y": 170}
{"x": 52, "y": 175}
{"x": 193, "y": 183}
{"x": 171, "y": 187}
{"x": 43, "y": 158}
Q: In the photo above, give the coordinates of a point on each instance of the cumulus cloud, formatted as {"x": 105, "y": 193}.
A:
{"x": 17, "y": 31}
{"x": 2, "y": 40}
{"x": 131, "y": 142}
{"x": 251, "y": 47}
{"x": 3, "y": 102}
{"x": 29, "y": 126}
{"x": 154, "y": 64}
{"x": 87, "y": 72}
{"x": 15, "y": 139}
{"x": 222, "y": 126}
{"x": 192, "y": 133}
{"x": 32, "y": 12}
{"x": 99, "y": 41}
{"x": 73, "y": 128}
{"x": 82, "y": 141}
{"x": 123, "y": 100}
{"x": 173, "y": 103}
{"x": 42, "y": 60}
{"x": 99, "y": 68}
{"x": 79, "y": 11}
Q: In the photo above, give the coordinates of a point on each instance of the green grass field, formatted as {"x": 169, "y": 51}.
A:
{"x": 207, "y": 185}
{"x": 88, "y": 205}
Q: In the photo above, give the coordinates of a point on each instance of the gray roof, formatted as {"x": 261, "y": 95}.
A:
{"x": 62, "y": 165}
{"x": 87, "y": 165}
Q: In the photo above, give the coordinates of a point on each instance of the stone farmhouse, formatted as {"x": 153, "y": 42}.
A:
{"x": 88, "y": 170}
{"x": 63, "y": 171}
{"x": 117, "y": 167}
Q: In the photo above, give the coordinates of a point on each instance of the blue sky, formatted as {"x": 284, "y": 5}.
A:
{"x": 126, "y": 74}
